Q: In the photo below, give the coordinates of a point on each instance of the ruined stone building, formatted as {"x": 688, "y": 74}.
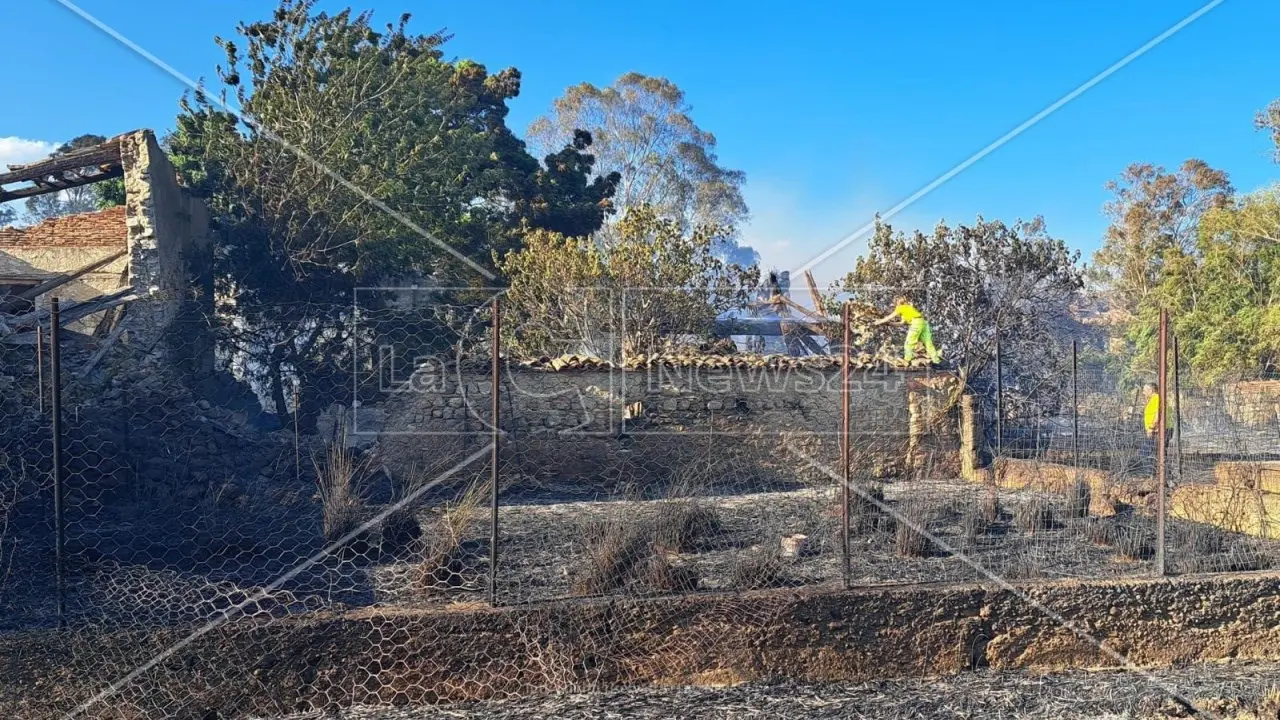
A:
{"x": 120, "y": 273}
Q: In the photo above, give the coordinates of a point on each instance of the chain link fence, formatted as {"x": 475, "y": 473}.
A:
{"x": 388, "y": 456}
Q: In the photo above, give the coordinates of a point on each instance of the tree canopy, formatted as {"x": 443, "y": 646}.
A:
{"x": 972, "y": 281}
{"x": 644, "y": 131}
{"x": 652, "y": 284}
{"x": 359, "y": 154}
{"x": 1223, "y": 294}
{"x": 1153, "y": 212}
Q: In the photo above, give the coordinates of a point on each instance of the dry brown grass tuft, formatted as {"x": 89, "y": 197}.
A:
{"x": 760, "y": 571}
{"x": 401, "y": 529}
{"x": 1133, "y": 542}
{"x": 909, "y": 537}
{"x": 616, "y": 551}
{"x": 443, "y": 561}
{"x": 973, "y": 524}
{"x": 992, "y": 511}
{"x": 1101, "y": 531}
{"x": 341, "y": 482}
{"x": 1035, "y": 514}
{"x": 685, "y": 526}
{"x": 659, "y": 575}
{"x": 1079, "y": 497}
{"x": 865, "y": 510}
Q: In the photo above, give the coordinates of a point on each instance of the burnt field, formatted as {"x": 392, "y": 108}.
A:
{"x": 1232, "y": 691}
{"x": 923, "y": 531}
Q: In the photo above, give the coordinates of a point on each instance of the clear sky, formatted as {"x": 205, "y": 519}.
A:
{"x": 835, "y": 110}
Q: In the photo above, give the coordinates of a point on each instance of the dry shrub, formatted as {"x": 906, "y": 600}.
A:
{"x": 1206, "y": 548}
{"x": 685, "y": 526}
{"x": 973, "y": 524}
{"x": 400, "y": 528}
{"x": 622, "y": 550}
{"x": 443, "y": 560}
{"x": 341, "y": 482}
{"x": 1079, "y": 496}
{"x": 992, "y": 512}
{"x": 658, "y": 574}
{"x": 1034, "y": 515}
{"x": 909, "y": 537}
{"x": 1022, "y": 566}
{"x": 1101, "y": 531}
{"x": 759, "y": 571}
{"x": 1268, "y": 707}
{"x": 865, "y": 510}
{"x": 1133, "y": 542}
{"x": 617, "y": 550}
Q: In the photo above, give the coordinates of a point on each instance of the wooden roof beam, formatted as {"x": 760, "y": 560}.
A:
{"x": 42, "y": 189}
{"x": 106, "y": 154}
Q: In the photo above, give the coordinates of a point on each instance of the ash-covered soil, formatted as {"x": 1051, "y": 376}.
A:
{"x": 1233, "y": 691}
{"x": 544, "y": 547}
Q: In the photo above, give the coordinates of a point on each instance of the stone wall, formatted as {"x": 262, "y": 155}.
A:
{"x": 585, "y": 424}
{"x": 264, "y": 666}
{"x": 167, "y": 233}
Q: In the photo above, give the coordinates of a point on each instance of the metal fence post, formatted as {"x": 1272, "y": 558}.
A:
{"x": 55, "y": 397}
{"x": 493, "y": 462}
{"x": 845, "y": 458}
{"x": 1177, "y": 412}
{"x": 1162, "y": 359}
{"x": 999, "y": 398}
{"x": 40, "y": 366}
{"x": 1075, "y": 403}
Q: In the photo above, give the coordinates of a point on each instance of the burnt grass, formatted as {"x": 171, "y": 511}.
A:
{"x": 732, "y": 542}
{"x": 1233, "y": 691}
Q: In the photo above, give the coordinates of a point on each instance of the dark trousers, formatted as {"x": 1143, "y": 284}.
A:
{"x": 1149, "y": 448}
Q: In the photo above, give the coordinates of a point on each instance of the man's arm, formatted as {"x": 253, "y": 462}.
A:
{"x": 887, "y": 318}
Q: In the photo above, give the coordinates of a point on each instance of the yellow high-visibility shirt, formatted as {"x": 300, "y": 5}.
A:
{"x": 1151, "y": 415}
{"x": 907, "y": 312}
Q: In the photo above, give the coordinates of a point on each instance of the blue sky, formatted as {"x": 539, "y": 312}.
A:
{"x": 834, "y": 110}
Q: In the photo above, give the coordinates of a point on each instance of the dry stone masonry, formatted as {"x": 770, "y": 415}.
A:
{"x": 577, "y": 418}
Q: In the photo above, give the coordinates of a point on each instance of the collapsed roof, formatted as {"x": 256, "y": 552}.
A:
{"x": 62, "y": 172}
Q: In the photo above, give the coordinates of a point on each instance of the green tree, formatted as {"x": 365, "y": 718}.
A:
{"x": 653, "y": 285}
{"x": 1224, "y": 295}
{"x": 7, "y": 215}
{"x": 970, "y": 280}
{"x": 644, "y": 131}
{"x": 1153, "y": 213}
{"x": 383, "y": 111}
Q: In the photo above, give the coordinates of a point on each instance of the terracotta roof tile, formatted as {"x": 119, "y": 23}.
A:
{"x": 105, "y": 228}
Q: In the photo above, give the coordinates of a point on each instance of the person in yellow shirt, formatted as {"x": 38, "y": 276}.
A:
{"x": 1151, "y": 418}
{"x": 1151, "y": 413}
{"x": 918, "y": 330}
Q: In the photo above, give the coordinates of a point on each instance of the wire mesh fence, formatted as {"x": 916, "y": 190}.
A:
{"x": 390, "y": 455}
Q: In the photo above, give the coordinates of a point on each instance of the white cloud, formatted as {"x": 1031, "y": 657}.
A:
{"x": 17, "y": 151}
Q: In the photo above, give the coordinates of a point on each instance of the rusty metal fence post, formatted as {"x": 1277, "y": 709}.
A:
{"x": 1177, "y": 412}
{"x": 40, "y": 366}
{"x": 55, "y": 398}
{"x": 845, "y": 459}
{"x": 496, "y": 438}
{"x": 1162, "y": 407}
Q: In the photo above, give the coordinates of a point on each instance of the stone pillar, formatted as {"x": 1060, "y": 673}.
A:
{"x": 968, "y": 438}
{"x": 158, "y": 223}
